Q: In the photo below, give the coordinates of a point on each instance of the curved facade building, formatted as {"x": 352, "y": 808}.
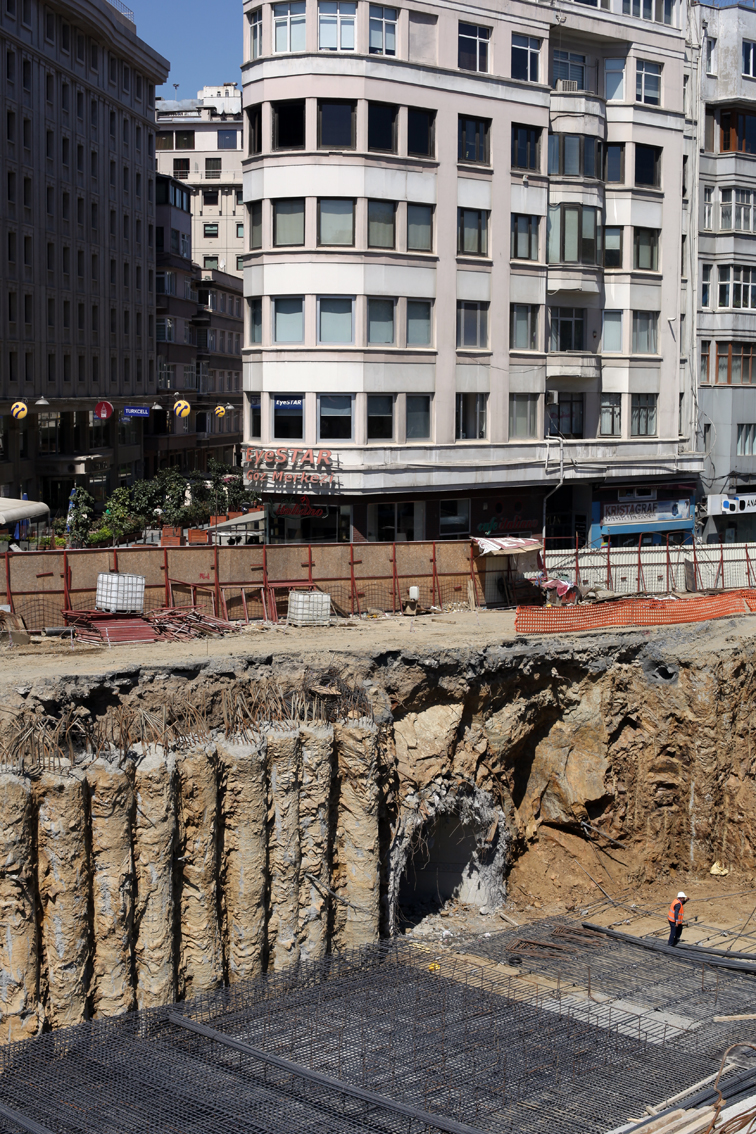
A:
{"x": 462, "y": 269}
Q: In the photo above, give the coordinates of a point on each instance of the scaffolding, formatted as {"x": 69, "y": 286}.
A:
{"x": 393, "y": 1038}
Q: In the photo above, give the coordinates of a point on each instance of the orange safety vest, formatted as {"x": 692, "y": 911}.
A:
{"x": 675, "y": 915}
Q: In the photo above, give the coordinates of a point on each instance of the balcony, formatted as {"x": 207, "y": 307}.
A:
{"x": 573, "y": 364}
{"x": 583, "y": 111}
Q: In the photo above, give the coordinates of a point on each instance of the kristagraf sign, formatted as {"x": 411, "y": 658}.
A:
{"x": 646, "y": 512}
{"x": 289, "y": 468}
{"x": 731, "y": 505}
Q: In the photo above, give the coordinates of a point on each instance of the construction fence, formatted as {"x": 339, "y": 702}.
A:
{"x": 248, "y": 582}
{"x": 632, "y": 612}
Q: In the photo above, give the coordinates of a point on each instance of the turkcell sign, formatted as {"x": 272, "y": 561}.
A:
{"x": 136, "y": 411}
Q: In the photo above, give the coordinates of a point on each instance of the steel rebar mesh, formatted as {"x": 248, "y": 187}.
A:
{"x": 458, "y": 1036}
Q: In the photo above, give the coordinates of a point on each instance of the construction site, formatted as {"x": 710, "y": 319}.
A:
{"x": 406, "y": 871}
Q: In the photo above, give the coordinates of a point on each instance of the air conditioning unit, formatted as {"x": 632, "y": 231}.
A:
{"x": 566, "y": 85}
{"x": 552, "y": 397}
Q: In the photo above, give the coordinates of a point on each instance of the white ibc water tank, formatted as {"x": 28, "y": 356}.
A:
{"x": 120, "y": 594}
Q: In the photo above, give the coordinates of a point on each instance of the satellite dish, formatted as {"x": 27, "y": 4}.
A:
{"x": 223, "y": 265}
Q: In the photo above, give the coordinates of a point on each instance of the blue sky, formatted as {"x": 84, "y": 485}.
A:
{"x": 202, "y": 40}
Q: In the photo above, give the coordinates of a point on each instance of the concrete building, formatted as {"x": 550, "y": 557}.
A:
{"x": 199, "y": 326}
{"x": 464, "y": 239}
{"x": 77, "y": 151}
{"x": 723, "y": 75}
{"x": 200, "y": 142}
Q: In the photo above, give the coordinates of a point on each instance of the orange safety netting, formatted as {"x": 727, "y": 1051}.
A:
{"x": 633, "y": 612}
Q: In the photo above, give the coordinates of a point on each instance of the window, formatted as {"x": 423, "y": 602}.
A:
{"x": 708, "y": 207}
{"x": 565, "y": 416}
{"x": 610, "y": 415}
{"x": 381, "y": 224}
{"x": 646, "y": 249}
{"x": 472, "y": 232}
{"x": 567, "y": 328}
{"x": 382, "y": 30}
{"x": 418, "y": 417}
{"x": 525, "y": 55}
{"x": 334, "y": 417}
{"x": 454, "y": 517}
{"x": 574, "y": 234}
{"x": 735, "y": 364}
{"x": 569, "y": 68}
{"x": 746, "y": 446}
{"x": 523, "y": 326}
{"x": 335, "y": 319}
{"x": 725, "y": 212}
{"x": 572, "y": 155}
{"x": 254, "y": 117}
{"x": 255, "y": 225}
{"x": 289, "y": 26}
{"x": 380, "y": 416}
{"x": 336, "y": 25}
{"x": 255, "y": 320}
{"x": 210, "y": 230}
{"x": 523, "y": 416}
{"x": 647, "y": 165}
{"x": 743, "y": 209}
{"x": 336, "y": 125}
{"x": 645, "y": 332}
{"x": 724, "y": 287}
{"x": 288, "y": 415}
{"x": 611, "y": 341}
{"x": 382, "y": 127}
{"x": 643, "y": 415}
{"x": 524, "y": 240}
{"x": 525, "y": 147}
{"x": 473, "y": 139}
{"x": 288, "y": 222}
{"x": 473, "y": 47}
{"x": 210, "y": 263}
{"x": 48, "y": 432}
{"x": 706, "y": 285}
{"x": 744, "y": 288}
{"x": 50, "y": 26}
{"x": 184, "y": 139}
{"x": 240, "y": 230}
{"x": 648, "y": 82}
{"x": 213, "y": 168}
{"x": 380, "y": 321}
{"x": 470, "y": 417}
{"x": 472, "y": 324}
{"x": 711, "y": 56}
{"x": 419, "y": 328}
{"x": 421, "y": 127}
{"x": 288, "y": 320}
{"x": 255, "y": 33}
{"x": 210, "y": 197}
{"x": 419, "y": 228}
{"x": 614, "y": 79}
{"x": 659, "y": 10}
{"x": 749, "y": 58}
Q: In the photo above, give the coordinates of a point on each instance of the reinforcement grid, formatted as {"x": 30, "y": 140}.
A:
{"x": 444, "y": 1034}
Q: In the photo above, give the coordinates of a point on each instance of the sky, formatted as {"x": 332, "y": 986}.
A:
{"x": 202, "y": 40}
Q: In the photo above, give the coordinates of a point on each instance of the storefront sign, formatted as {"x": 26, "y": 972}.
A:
{"x": 646, "y": 512}
{"x": 302, "y": 508}
{"x": 104, "y": 410}
{"x": 136, "y": 411}
{"x": 731, "y": 505}
{"x": 501, "y": 524}
{"x": 289, "y": 468}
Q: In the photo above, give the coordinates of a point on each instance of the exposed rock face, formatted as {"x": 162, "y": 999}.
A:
{"x": 140, "y": 878}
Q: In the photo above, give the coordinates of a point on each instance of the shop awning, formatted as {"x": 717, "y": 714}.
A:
{"x": 506, "y": 545}
{"x": 11, "y": 511}
{"x": 239, "y": 521}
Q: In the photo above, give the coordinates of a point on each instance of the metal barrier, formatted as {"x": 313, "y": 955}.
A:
{"x": 243, "y": 582}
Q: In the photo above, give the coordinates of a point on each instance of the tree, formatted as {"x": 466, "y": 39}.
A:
{"x": 80, "y": 515}
{"x": 121, "y": 518}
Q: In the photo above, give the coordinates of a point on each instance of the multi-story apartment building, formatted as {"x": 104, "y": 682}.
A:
{"x": 723, "y": 75}
{"x": 200, "y": 141}
{"x": 77, "y": 153}
{"x": 464, "y": 238}
{"x": 199, "y": 330}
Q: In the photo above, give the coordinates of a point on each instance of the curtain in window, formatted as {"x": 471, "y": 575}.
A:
{"x": 289, "y": 321}
{"x": 381, "y": 224}
{"x": 335, "y": 320}
{"x": 289, "y": 222}
{"x": 336, "y": 222}
{"x": 418, "y": 322}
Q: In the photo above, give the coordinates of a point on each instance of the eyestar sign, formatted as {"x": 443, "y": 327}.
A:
{"x": 289, "y": 468}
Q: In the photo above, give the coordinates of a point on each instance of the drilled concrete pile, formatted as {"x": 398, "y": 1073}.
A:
{"x": 124, "y": 886}
{"x": 135, "y": 882}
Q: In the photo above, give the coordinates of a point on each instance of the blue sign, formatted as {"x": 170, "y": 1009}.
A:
{"x": 136, "y": 411}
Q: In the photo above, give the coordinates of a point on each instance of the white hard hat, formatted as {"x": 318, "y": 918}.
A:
{"x": 682, "y": 894}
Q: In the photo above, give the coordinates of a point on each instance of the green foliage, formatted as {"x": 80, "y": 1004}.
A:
{"x": 121, "y": 516}
{"x": 100, "y": 537}
{"x": 80, "y": 517}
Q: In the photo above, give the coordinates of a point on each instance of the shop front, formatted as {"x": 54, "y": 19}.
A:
{"x": 731, "y": 517}
{"x": 650, "y": 514}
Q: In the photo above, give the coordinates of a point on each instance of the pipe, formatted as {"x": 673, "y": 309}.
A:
{"x": 548, "y": 494}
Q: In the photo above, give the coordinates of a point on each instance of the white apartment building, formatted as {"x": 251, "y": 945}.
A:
{"x": 723, "y": 298}
{"x": 200, "y": 142}
{"x": 77, "y": 243}
{"x": 464, "y": 241}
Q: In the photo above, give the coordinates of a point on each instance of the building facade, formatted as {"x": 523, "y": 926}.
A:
{"x": 723, "y": 73}
{"x": 200, "y": 142}
{"x": 77, "y": 255}
{"x": 465, "y": 233}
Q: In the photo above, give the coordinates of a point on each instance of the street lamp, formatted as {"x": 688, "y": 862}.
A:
{"x": 42, "y": 401}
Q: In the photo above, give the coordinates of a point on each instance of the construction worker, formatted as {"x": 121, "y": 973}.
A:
{"x": 675, "y": 918}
